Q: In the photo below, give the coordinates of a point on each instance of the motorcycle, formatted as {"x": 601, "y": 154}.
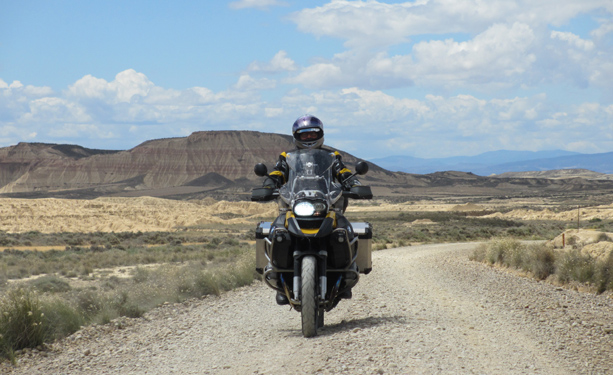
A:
{"x": 311, "y": 253}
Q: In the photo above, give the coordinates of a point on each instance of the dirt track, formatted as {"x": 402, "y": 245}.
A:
{"x": 423, "y": 309}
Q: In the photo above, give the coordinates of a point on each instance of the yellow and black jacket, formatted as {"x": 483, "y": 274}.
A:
{"x": 279, "y": 176}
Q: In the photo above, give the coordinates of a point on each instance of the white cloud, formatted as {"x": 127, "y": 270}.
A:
{"x": 370, "y": 24}
{"x": 258, "y": 4}
{"x": 483, "y": 45}
{"x": 445, "y": 126}
{"x": 123, "y": 88}
{"x": 573, "y": 40}
{"x": 53, "y": 109}
{"x": 320, "y": 76}
{"x": 496, "y": 57}
{"x": 279, "y": 63}
{"x": 248, "y": 83}
{"x": 605, "y": 28}
{"x": 365, "y": 122}
{"x": 374, "y": 23}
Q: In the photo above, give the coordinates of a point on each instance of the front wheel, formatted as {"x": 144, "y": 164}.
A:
{"x": 309, "y": 299}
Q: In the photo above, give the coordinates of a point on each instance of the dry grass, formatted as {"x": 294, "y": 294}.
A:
{"x": 60, "y": 305}
{"x": 542, "y": 261}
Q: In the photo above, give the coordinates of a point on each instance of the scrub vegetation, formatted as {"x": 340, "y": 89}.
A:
{"x": 397, "y": 229}
{"x": 96, "y": 283}
{"x": 542, "y": 262}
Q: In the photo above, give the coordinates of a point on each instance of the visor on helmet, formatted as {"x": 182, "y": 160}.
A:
{"x": 309, "y": 134}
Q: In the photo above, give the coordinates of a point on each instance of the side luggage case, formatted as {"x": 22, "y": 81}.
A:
{"x": 364, "y": 258}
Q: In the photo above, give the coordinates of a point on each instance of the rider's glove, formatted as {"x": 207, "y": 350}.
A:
{"x": 272, "y": 182}
{"x": 351, "y": 182}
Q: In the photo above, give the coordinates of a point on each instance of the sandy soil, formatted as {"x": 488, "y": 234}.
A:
{"x": 51, "y": 215}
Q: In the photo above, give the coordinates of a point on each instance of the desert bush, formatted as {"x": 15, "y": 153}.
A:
{"x": 89, "y": 302}
{"x": 453, "y": 227}
{"x": 50, "y": 284}
{"x": 22, "y": 321}
{"x": 61, "y": 318}
{"x": 75, "y": 261}
{"x": 503, "y": 250}
{"x": 542, "y": 261}
{"x": 479, "y": 253}
{"x": 604, "y": 274}
{"x": 572, "y": 265}
{"x": 127, "y": 306}
{"x": 111, "y": 283}
{"x": 207, "y": 284}
{"x": 509, "y": 252}
{"x": 140, "y": 274}
{"x": 62, "y": 310}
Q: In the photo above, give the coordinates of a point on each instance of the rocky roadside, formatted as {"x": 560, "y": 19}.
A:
{"x": 423, "y": 309}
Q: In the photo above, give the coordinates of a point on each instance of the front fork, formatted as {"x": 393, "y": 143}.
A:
{"x": 322, "y": 260}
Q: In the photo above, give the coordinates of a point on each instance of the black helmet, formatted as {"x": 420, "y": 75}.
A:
{"x": 308, "y": 132}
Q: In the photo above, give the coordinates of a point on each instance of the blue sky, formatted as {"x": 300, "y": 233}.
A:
{"x": 427, "y": 78}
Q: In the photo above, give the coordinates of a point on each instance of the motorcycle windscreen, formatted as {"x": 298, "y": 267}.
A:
{"x": 310, "y": 176}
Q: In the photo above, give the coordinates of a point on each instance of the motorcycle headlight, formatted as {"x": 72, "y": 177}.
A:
{"x": 307, "y": 208}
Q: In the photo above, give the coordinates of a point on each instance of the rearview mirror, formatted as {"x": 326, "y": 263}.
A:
{"x": 361, "y": 167}
{"x": 260, "y": 170}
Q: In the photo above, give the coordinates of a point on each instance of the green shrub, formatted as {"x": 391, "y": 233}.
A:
{"x": 90, "y": 302}
{"x": 540, "y": 261}
{"x": 50, "y": 284}
{"x": 604, "y": 274}
{"x": 62, "y": 319}
{"x": 207, "y": 284}
{"x": 573, "y": 265}
{"x": 64, "y": 310}
{"x": 22, "y": 321}
{"x": 140, "y": 274}
{"x": 501, "y": 250}
{"x": 125, "y": 306}
{"x": 479, "y": 253}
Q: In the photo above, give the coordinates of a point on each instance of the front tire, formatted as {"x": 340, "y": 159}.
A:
{"x": 309, "y": 299}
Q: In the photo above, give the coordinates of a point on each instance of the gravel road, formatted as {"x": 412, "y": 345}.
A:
{"x": 423, "y": 310}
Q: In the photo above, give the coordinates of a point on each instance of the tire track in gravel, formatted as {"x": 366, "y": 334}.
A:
{"x": 423, "y": 309}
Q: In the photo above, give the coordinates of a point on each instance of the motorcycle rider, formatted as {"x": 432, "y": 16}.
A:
{"x": 308, "y": 133}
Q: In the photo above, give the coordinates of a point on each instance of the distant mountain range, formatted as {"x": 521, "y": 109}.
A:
{"x": 497, "y": 162}
{"x": 220, "y": 164}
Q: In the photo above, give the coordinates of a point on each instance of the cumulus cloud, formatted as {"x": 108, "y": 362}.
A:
{"x": 437, "y": 126}
{"x": 93, "y": 109}
{"x": 123, "y": 88}
{"x": 320, "y": 76}
{"x": 279, "y": 63}
{"x": 573, "y": 40}
{"x": 248, "y": 83}
{"x": 476, "y": 44}
{"x": 494, "y": 55}
{"x": 471, "y": 71}
{"x": 498, "y": 56}
{"x": 375, "y": 23}
{"x": 131, "y": 109}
